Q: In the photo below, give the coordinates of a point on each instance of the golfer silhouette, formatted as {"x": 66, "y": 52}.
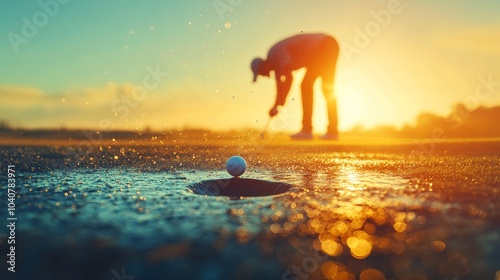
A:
{"x": 317, "y": 53}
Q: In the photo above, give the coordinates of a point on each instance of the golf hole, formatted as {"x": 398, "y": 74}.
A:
{"x": 239, "y": 187}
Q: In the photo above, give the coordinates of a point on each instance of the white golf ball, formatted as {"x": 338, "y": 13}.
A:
{"x": 236, "y": 166}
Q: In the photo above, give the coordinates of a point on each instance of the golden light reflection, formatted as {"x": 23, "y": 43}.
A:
{"x": 360, "y": 248}
{"x": 421, "y": 220}
{"x": 438, "y": 246}
{"x": 399, "y": 226}
{"x": 336, "y": 271}
{"x": 326, "y": 235}
{"x": 168, "y": 252}
{"x": 341, "y": 227}
{"x": 330, "y": 269}
{"x": 288, "y": 226}
{"x": 243, "y": 235}
{"x": 371, "y": 274}
{"x": 331, "y": 248}
{"x": 353, "y": 176}
{"x": 356, "y": 225}
{"x": 353, "y": 179}
{"x": 275, "y": 228}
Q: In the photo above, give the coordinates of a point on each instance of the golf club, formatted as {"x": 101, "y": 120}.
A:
{"x": 266, "y": 126}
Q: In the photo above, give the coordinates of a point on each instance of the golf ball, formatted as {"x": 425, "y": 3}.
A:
{"x": 236, "y": 166}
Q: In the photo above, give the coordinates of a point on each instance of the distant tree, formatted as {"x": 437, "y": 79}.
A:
{"x": 4, "y": 126}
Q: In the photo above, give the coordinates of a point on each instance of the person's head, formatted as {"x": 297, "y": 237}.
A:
{"x": 260, "y": 67}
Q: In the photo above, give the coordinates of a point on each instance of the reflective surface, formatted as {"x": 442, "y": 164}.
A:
{"x": 354, "y": 215}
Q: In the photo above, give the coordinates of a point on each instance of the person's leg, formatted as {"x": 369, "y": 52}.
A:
{"x": 329, "y": 53}
{"x": 307, "y": 100}
{"x": 331, "y": 105}
{"x": 307, "y": 107}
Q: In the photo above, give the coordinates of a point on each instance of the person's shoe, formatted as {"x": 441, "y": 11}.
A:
{"x": 302, "y": 135}
{"x": 330, "y": 136}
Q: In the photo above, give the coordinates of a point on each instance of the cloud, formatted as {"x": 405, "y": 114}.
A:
{"x": 31, "y": 107}
{"x": 121, "y": 106}
{"x": 20, "y": 97}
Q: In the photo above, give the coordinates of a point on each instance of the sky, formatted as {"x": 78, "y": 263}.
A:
{"x": 186, "y": 64}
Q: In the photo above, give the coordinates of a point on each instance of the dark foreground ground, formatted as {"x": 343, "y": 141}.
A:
{"x": 385, "y": 210}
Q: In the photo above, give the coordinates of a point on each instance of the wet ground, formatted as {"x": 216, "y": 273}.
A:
{"x": 356, "y": 211}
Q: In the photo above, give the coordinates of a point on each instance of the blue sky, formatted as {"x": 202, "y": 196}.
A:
{"x": 89, "y": 53}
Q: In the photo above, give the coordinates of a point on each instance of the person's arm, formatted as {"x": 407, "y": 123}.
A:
{"x": 283, "y": 84}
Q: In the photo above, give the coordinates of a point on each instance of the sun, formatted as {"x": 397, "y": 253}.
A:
{"x": 352, "y": 105}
